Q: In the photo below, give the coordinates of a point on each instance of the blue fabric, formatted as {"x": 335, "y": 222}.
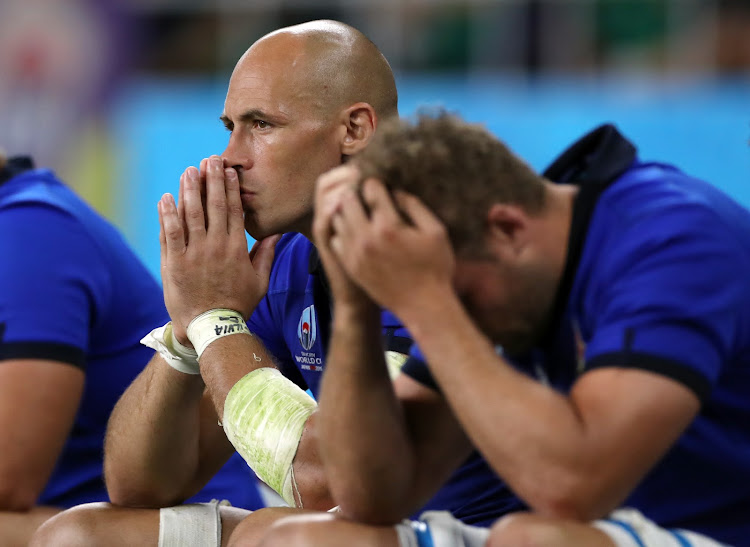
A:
{"x": 296, "y": 297}
{"x": 662, "y": 283}
{"x": 422, "y": 533}
{"x": 71, "y": 290}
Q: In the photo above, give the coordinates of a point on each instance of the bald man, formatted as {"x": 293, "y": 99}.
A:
{"x": 300, "y": 101}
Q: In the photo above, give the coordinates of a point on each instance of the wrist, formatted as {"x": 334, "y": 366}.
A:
{"x": 421, "y": 312}
{"x": 214, "y": 324}
{"x": 360, "y": 311}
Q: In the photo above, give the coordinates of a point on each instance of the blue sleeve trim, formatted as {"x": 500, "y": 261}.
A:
{"x": 690, "y": 378}
{"x": 49, "y": 351}
{"x": 417, "y": 369}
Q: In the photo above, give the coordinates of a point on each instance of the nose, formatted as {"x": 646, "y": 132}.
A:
{"x": 236, "y": 156}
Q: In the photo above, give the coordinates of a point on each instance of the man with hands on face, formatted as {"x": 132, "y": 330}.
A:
{"x": 619, "y": 297}
{"x": 300, "y": 101}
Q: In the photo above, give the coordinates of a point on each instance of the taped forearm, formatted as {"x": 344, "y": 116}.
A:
{"x": 264, "y": 417}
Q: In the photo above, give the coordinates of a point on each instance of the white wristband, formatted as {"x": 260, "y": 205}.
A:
{"x": 214, "y": 324}
{"x": 176, "y": 355}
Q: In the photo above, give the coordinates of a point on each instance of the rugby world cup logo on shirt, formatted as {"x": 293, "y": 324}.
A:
{"x": 307, "y": 328}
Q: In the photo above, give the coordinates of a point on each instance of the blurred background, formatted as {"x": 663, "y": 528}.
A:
{"x": 119, "y": 96}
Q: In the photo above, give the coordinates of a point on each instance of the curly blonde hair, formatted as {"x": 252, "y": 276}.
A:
{"x": 457, "y": 169}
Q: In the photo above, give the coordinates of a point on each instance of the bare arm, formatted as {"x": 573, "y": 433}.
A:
{"x": 575, "y": 455}
{"x": 163, "y": 441}
{"x": 401, "y": 439}
{"x": 208, "y": 266}
{"x": 38, "y": 403}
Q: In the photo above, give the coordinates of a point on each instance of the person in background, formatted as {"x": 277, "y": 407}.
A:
{"x": 75, "y": 302}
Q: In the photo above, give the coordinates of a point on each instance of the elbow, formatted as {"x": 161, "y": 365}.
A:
{"x": 371, "y": 510}
{"x": 144, "y": 496}
{"x": 571, "y": 495}
{"x": 371, "y": 516}
{"x": 126, "y": 490}
{"x": 15, "y": 498}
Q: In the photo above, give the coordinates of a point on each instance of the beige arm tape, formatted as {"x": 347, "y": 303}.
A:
{"x": 264, "y": 417}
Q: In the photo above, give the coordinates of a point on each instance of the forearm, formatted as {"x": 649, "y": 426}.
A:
{"x": 155, "y": 424}
{"x": 359, "y": 411}
{"x": 16, "y": 528}
{"x": 309, "y": 472}
{"x": 227, "y": 360}
{"x": 534, "y": 437}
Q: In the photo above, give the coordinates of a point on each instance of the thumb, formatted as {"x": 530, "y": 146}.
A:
{"x": 262, "y": 253}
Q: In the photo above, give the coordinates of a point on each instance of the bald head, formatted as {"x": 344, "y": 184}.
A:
{"x": 330, "y": 64}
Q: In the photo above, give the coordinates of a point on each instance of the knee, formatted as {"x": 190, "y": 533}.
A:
{"x": 299, "y": 530}
{"x": 72, "y": 527}
{"x": 523, "y": 530}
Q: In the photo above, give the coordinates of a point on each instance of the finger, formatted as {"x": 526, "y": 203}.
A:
{"x": 416, "y": 211}
{"x": 171, "y": 235}
{"x": 195, "y": 218}
{"x": 380, "y": 203}
{"x": 216, "y": 196}
{"x": 330, "y": 184}
{"x": 202, "y": 168}
{"x": 235, "y": 216}
{"x": 262, "y": 258}
{"x": 351, "y": 218}
{"x": 331, "y": 190}
{"x": 162, "y": 236}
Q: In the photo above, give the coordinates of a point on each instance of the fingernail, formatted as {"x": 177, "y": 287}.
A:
{"x": 230, "y": 173}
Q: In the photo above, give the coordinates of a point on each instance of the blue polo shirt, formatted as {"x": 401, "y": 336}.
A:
{"x": 293, "y": 320}
{"x": 658, "y": 278}
{"x": 72, "y": 291}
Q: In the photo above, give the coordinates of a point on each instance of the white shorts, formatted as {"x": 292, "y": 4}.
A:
{"x": 440, "y": 529}
{"x": 629, "y": 528}
{"x": 625, "y": 527}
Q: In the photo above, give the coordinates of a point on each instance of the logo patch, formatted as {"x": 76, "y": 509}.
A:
{"x": 307, "y": 328}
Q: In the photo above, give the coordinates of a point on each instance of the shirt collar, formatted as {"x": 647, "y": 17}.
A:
{"x": 592, "y": 163}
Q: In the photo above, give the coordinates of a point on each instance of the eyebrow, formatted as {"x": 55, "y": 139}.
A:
{"x": 248, "y": 115}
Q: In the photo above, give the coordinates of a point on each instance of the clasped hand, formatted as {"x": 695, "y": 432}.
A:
{"x": 390, "y": 245}
{"x": 205, "y": 263}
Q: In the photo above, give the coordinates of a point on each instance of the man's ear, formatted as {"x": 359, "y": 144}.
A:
{"x": 508, "y": 227}
{"x": 359, "y": 122}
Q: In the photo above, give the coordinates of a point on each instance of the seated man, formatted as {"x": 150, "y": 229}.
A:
{"x": 624, "y": 287}
{"x": 74, "y": 304}
{"x": 300, "y": 101}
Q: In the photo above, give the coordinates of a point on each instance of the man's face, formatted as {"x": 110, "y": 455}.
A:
{"x": 281, "y": 141}
{"x": 509, "y": 303}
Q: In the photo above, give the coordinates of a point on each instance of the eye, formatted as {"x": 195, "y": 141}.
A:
{"x": 261, "y": 124}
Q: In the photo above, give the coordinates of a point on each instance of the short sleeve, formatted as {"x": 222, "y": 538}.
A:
{"x": 52, "y": 281}
{"x": 670, "y": 302}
